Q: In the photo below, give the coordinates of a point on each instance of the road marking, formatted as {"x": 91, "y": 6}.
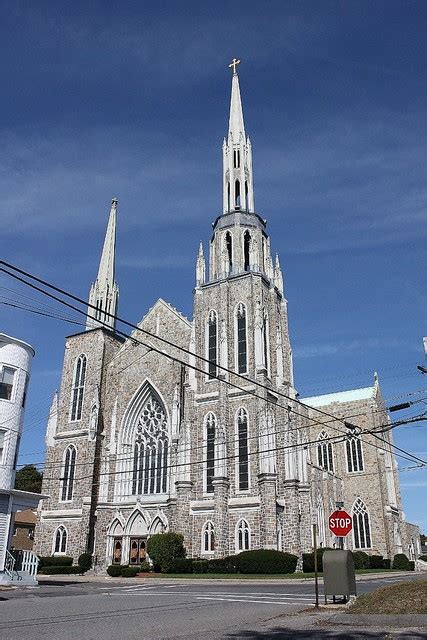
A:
{"x": 282, "y": 602}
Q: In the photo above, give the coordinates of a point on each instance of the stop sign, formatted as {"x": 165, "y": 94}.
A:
{"x": 340, "y": 523}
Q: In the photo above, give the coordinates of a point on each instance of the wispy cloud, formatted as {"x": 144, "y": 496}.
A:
{"x": 332, "y": 348}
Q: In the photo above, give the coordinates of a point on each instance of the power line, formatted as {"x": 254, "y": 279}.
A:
{"x": 187, "y": 351}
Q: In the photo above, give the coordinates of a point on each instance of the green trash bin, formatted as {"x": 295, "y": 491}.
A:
{"x": 339, "y": 578}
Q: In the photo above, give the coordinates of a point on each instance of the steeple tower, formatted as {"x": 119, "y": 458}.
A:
{"x": 104, "y": 291}
{"x": 238, "y": 191}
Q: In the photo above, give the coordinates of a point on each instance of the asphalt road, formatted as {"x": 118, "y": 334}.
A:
{"x": 187, "y": 609}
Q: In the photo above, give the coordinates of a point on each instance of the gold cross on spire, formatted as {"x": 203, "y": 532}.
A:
{"x": 234, "y": 64}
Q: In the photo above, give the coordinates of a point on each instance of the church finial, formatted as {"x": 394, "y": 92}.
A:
{"x": 104, "y": 291}
{"x": 234, "y": 64}
{"x": 200, "y": 267}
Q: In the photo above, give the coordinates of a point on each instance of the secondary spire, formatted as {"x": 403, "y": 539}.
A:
{"x": 104, "y": 291}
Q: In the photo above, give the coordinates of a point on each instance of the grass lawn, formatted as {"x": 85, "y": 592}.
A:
{"x": 406, "y": 597}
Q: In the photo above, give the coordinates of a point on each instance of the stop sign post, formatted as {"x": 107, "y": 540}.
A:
{"x": 340, "y": 523}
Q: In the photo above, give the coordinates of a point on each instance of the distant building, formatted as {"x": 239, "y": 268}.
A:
{"x": 213, "y": 443}
{"x": 15, "y": 365}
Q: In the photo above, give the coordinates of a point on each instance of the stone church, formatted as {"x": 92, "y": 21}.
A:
{"x": 195, "y": 426}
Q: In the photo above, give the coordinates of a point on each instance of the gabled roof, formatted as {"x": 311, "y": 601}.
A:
{"x": 162, "y": 303}
{"x": 365, "y": 393}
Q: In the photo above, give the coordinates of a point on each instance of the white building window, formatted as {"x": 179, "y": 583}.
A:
{"x": 212, "y": 344}
{"x": 208, "y": 537}
{"x": 151, "y": 449}
{"x": 78, "y": 388}
{"x": 7, "y": 375}
{"x": 325, "y": 458}
{"x": 2, "y": 443}
{"x": 209, "y": 437}
{"x": 243, "y": 536}
{"x": 242, "y": 450}
{"x": 240, "y": 334}
{"x": 60, "y": 541}
{"x": 361, "y": 526}
{"x": 68, "y": 473}
{"x": 353, "y": 446}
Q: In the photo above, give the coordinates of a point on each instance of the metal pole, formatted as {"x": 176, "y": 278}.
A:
{"x": 316, "y": 575}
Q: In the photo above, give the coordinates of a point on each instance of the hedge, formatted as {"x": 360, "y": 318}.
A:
{"x": 85, "y": 562}
{"x": 361, "y": 560}
{"x": 200, "y": 566}
{"x": 376, "y": 562}
{"x": 181, "y": 565}
{"x": 386, "y": 563}
{"x": 57, "y": 569}
{"x": 145, "y": 567}
{"x": 308, "y": 560}
{"x": 423, "y": 558}
{"x": 163, "y": 548}
{"x": 114, "y": 570}
{"x": 129, "y": 572}
{"x": 222, "y": 565}
{"x": 52, "y": 561}
{"x": 402, "y": 562}
{"x": 267, "y": 561}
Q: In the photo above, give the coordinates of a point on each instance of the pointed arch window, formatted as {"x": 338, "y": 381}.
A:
{"x": 241, "y": 338}
{"x": 236, "y": 159}
{"x": 265, "y": 341}
{"x": 210, "y": 433}
{"x": 228, "y": 196}
{"x": 353, "y": 446}
{"x": 325, "y": 458}
{"x": 78, "y": 388}
{"x": 60, "y": 541}
{"x": 243, "y": 536}
{"x": 68, "y": 473}
{"x": 212, "y": 344}
{"x": 246, "y": 250}
{"x": 208, "y": 537}
{"x": 229, "y": 247}
{"x": 243, "y": 450}
{"x": 151, "y": 449}
{"x": 361, "y": 526}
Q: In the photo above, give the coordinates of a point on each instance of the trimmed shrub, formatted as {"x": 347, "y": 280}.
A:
{"x": 423, "y": 558}
{"x": 222, "y": 565}
{"x": 266, "y": 561}
{"x": 57, "y": 569}
{"x": 308, "y": 560}
{"x": 386, "y": 563}
{"x": 145, "y": 567}
{"x": 114, "y": 570}
{"x": 163, "y": 548}
{"x": 361, "y": 560}
{"x": 52, "y": 561}
{"x": 129, "y": 572}
{"x": 412, "y": 565}
{"x": 376, "y": 562}
{"x": 200, "y": 566}
{"x": 182, "y": 565}
{"x": 401, "y": 561}
{"x": 85, "y": 562}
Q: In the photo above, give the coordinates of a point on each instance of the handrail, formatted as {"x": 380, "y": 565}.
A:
{"x": 9, "y": 564}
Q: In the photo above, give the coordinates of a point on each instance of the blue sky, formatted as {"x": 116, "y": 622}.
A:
{"x": 129, "y": 99}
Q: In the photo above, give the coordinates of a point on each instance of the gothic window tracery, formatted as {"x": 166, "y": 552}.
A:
{"x": 210, "y": 433}
{"x": 78, "y": 388}
{"x": 241, "y": 338}
{"x": 354, "y": 453}
{"x": 243, "y": 536}
{"x": 208, "y": 537}
{"x": 151, "y": 448}
{"x": 361, "y": 526}
{"x": 68, "y": 473}
{"x": 246, "y": 250}
{"x": 243, "y": 452}
{"x": 229, "y": 247}
{"x": 325, "y": 458}
{"x": 60, "y": 540}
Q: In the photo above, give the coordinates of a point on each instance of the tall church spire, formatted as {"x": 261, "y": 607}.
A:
{"x": 237, "y": 156}
{"x": 104, "y": 291}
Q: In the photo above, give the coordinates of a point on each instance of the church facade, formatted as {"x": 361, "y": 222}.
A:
{"x": 195, "y": 426}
